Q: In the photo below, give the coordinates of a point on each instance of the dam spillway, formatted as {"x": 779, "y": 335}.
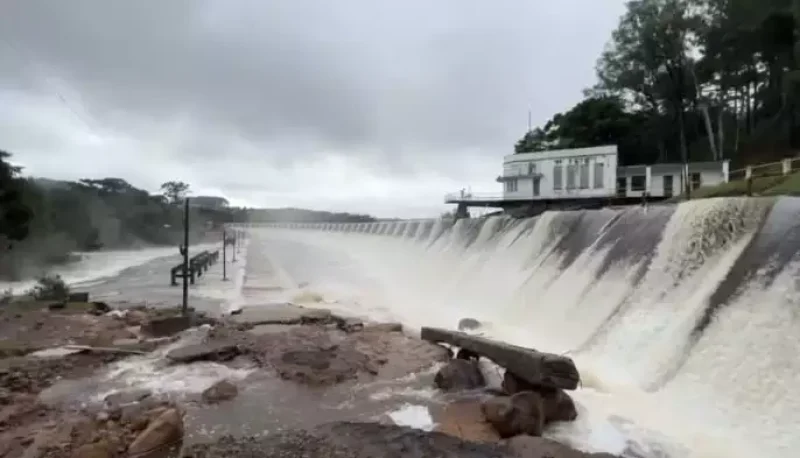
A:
{"x": 683, "y": 319}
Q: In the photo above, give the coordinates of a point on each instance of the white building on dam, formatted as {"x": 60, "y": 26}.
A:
{"x": 586, "y": 178}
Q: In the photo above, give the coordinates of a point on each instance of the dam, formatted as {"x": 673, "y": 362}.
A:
{"x": 683, "y": 319}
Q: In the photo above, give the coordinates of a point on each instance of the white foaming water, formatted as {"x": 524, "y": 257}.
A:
{"x": 151, "y": 372}
{"x": 413, "y": 415}
{"x": 227, "y": 286}
{"x": 672, "y": 364}
{"x": 98, "y": 265}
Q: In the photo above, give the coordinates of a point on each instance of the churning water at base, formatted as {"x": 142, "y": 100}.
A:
{"x": 684, "y": 319}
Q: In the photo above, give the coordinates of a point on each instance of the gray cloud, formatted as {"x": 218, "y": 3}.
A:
{"x": 398, "y": 88}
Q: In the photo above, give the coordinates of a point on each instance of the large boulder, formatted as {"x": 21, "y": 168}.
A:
{"x": 162, "y": 436}
{"x": 459, "y": 374}
{"x": 512, "y": 384}
{"x": 558, "y": 406}
{"x": 522, "y": 413}
{"x": 464, "y": 419}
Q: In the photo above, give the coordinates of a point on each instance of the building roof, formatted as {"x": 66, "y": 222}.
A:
{"x": 561, "y": 153}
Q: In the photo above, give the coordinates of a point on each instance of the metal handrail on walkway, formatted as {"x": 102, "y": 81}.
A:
{"x": 472, "y": 197}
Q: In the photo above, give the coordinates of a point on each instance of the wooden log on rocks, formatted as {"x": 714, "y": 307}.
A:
{"x": 535, "y": 367}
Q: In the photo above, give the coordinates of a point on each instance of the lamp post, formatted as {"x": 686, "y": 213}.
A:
{"x": 224, "y": 254}
{"x": 234, "y": 247}
{"x": 184, "y": 249}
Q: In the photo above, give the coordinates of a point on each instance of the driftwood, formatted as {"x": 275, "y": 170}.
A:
{"x": 534, "y": 367}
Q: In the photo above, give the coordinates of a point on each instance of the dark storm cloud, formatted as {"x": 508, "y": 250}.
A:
{"x": 350, "y": 74}
{"x": 270, "y": 88}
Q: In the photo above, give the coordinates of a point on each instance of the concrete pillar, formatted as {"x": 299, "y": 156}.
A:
{"x": 648, "y": 180}
{"x": 461, "y": 211}
{"x": 786, "y": 166}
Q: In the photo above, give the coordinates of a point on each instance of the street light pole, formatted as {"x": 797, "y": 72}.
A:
{"x": 224, "y": 254}
{"x": 234, "y": 247}
{"x": 185, "y": 252}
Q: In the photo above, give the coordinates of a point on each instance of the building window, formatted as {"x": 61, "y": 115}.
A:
{"x": 571, "y": 172}
{"x": 638, "y": 183}
{"x": 512, "y": 185}
{"x": 697, "y": 180}
{"x": 598, "y": 175}
{"x": 531, "y": 168}
{"x": 622, "y": 186}
{"x": 558, "y": 176}
{"x": 584, "y": 177}
{"x": 536, "y": 186}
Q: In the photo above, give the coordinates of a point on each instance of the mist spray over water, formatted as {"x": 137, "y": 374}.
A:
{"x": 682, "y": 319}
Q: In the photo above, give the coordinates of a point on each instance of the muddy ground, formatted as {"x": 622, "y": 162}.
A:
{"x": 304, "y": 347}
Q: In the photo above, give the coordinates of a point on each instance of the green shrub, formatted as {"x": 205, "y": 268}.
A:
{"x": 50, "y": 288}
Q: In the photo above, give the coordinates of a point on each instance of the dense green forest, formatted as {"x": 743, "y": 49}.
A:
{"x": 44, "y": 222}
{"x": 690, "y": 80}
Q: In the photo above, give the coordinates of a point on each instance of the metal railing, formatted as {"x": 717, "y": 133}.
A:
{"x": 766, "y": 170}
{"x": 472, "y": 197}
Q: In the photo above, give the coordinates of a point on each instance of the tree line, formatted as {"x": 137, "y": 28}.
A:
{"x": 44, "y": 222}
{"x": 690, "y": 80}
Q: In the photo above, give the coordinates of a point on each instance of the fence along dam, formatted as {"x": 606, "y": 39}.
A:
{"x": 683, "y": 319}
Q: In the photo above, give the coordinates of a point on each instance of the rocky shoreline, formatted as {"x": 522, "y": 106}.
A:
{"x": 42, "y": 345}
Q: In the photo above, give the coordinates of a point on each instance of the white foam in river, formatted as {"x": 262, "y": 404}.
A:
{"x": 97, "y": 265}
{"x": 413, "y": 415}
{"x": 652, "y": 386}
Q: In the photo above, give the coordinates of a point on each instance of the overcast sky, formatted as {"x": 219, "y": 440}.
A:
{"x": 355, "y": 105}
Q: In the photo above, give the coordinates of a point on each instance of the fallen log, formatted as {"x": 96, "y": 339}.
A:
{"x": 535, "y": 367}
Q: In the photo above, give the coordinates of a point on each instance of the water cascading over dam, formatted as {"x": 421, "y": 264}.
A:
{"x": 684, "y": 319}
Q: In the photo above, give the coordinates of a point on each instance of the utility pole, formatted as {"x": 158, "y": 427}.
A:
{"x": 235, "y": 234}
{"x": 185, "y": 252}
{"x": 224, "y": 254}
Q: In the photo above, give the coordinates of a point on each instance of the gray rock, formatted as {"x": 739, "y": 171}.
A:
{"x": 262, "y": 329}
{"x": 558, "y": 405}
{"x": 167, "y": 326}
{"x": 211, "y": 351}
{"x": 459, "y": 374}
{"x": 468, "y": 324}
{"x": 522, "y": 413}
{"x": 163, "y": 435}
{"x": 220, "y": 391}
{"x": 280, "y": 313}
{"x": 350, "y": 325}
{"x": 123, "y": 398}
{"x": 99, "y": 308}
